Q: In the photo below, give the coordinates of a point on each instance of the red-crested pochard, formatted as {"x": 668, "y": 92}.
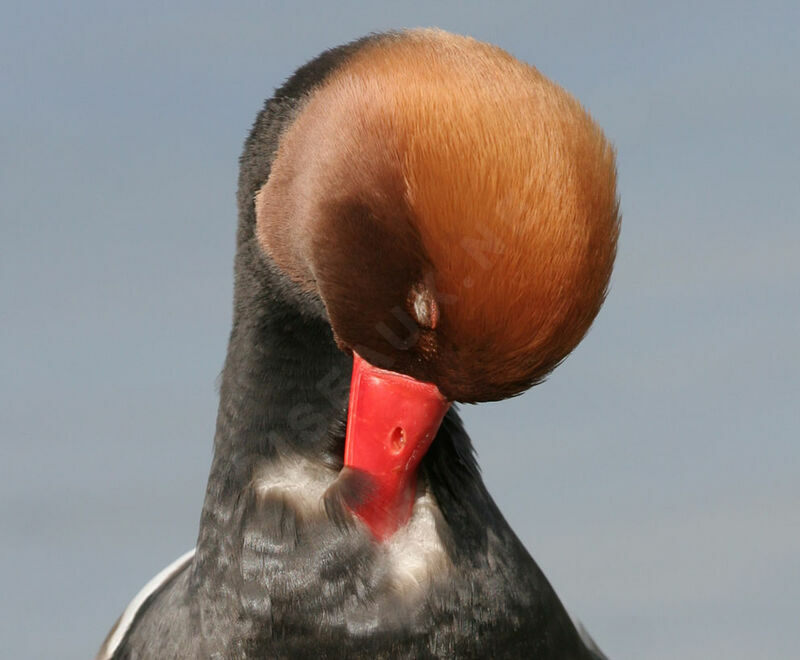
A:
{"x": 423, "y": 219}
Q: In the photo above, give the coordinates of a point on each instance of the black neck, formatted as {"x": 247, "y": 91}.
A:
{"x": 284, "y": 385}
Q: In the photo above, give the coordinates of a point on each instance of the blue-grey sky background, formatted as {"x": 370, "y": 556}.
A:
{"x": 655, "y": 476}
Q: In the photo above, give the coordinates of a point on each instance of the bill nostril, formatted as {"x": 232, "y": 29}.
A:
{"x": 397, "y": 440}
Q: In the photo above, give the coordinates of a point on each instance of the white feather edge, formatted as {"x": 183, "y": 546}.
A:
{"x": 112, "y": 643}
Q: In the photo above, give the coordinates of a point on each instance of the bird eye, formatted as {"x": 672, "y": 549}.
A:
{"x": 424, "y": 308}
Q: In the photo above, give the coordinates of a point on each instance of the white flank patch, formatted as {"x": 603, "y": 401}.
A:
{"x": 112, "y": 643}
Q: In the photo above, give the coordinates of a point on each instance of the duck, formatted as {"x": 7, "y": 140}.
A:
{"x": 424, "y": 220}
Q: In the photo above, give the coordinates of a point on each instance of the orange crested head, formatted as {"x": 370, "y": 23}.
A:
{"x": 455, "y": 211}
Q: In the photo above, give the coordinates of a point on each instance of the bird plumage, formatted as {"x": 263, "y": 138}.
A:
{"x": 281, "y": 569}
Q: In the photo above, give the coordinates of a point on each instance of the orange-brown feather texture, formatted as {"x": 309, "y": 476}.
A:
{"x": 497, "y": 186}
